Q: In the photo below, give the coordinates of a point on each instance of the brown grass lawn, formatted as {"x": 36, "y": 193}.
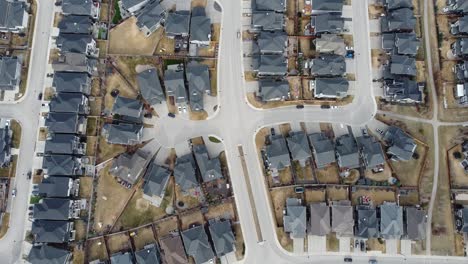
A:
{"x": 380, "y": 176}
{"x": 95, "y": 106}
{"x": 374, "y": 244}
{"x": 78, "y": 256}
{"x": 91, "y": 146}
{"x": 107, "y": 151}
{"x": 411, "y": 199}
{"x": 240, "y": 246}
{"x": 143, "y": 237}
{"x": 91, "y": 126}
{"x": 127, "y": 66}
{"x": 126, "y": 38}
{"x": 285, "y": 176}
{"x": 284, "y": 239}
{"x": 222, "y": 211}
{"x": 111, "y": 197}
{"x": 202, "y": 115}
{"x": 164, "y": 227}
{"x": 314, "y": 195}
{"x": 188, "y": 200}
{"x": 457, "y": 173}
{"x": 333, "y": 244}
{"x": 278, "y": 198}
{"x": 86, "y": 185}
{"x": 16, "y": 129}
{"x": 119, "y": 242}
{"x": 408, "y": 171}
{"x": 116, "y": 81}
{"x": 5, "y": 224}
{"x": 335, "y": 193}
{"x": 80, "y": 227}
{"x": 96, "y": 249}
{"x": 377, "y": 195}
{"x": 328, "y": 175}
{"x": 10, "y": 171}
{"x": 195, "y": 217}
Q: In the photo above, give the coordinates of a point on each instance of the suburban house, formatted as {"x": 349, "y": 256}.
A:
{"x": 277, "y": 155}
{"x": 177, "y": 24}
{"x": 67, "y": 144}
{"x": 402, "y": 90}
{"x": 367, "y": 222}
{"x": 13, "y": 16}
{"x": 272, "y": 42}
{"x": 270, "y": 5}
{"x": 148, "y": 255}
{"x": 323, "y": 149}
{"x": 347, "y": 154}
{"x": 76, "y": 25}
{"x": 81, "y": 7}
{"x": 200, "y": 27}
{"x": 460, "y": 26}
{"x": 62, "y": 165}
{"x": 127, "y": 109}
{"x": 271, "y": 65}
{"x": 210, "y": 169}
{"x": 197, "y": 245}
{"x": 78, "y": 43}
{"x": 151, "y": 17}
{"x": 396, "y": 4}
{"x": 47, "y": 231}
{"x": 299, "y": 147}
{"x": 326, "y": 23}
{"x": 460, "y": 47}
{"x": 222, "y": 237}
{"x": 330, "y": 43}
{"x": 184, "y": 173}
{"x": 415, "y": 222}
{"x": 333, "y": 88}
{"x": 44, "y": 254}
{"x": 327, "y": 65}
{"x": 319, "y": 219}
{"x": 273, "y": 90}
{"x": 175, "y": 88}
{"x": 172, "y": 249}
{"x": 456, "y": 6}
{"x": 121, "y": 258}
{"x": 123, "y": 133}
{"x": 295, "y": 218}
{"x": 342, "y": 218}
{"x": 150, "y": 86}
{"x": 75, "y": 62}
{"x": 55, "y": 209}
{"x": 132, "y": 6}
{"x": 65, "y": 123}
{"x": 72, "y": 82}
{"x": 267, "y": 21}
{"x": 461, "y": 71}
{"x": 198, "y": 78}
{"x": 461, "y": 220}
{"x": 401, "y": 43}
{"x": 371, "y": 153}
{"x": 391, "y": 221}
{"x": 129, "y": 167}
{"x": 460, "y": 92}
{"x": 313, "y": 7}
{"x": 5, "y": 146}
{"x": 58, "y": 187}
{"x": 10, "y": 73}
{"x": 398, "y": 20}
{"x": 75, "y": 103}
{"x": 403, "y": 65}
{"x": 156, "y": 180}
{"x": 401, "y": 146}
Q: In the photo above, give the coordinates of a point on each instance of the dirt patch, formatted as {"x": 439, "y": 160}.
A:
{"x": 190, "y": 201}
{"x": 126, "y": 38}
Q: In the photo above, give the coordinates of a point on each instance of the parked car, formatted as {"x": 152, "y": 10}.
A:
{"x": 348, "y": 259}
{"x": 13, "y": 193}
{"x": 272, "y": 131}
{"x": 372, "y": 261}
{"x": 299, "y": 106}
{"x": 298, "y": 189}
{"x": 171, "y": 115}
{"x": 39, "y": 97}
{"x": 325, "y": 106}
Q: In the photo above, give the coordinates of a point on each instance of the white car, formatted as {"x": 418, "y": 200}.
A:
{"x": 13, "y": 193}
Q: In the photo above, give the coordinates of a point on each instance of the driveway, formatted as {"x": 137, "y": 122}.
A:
{"x": 345, "y": 244}
{"x": 391, "y": 246}
{"x": 317, "y": 244}
{"x": 298, "y": 245}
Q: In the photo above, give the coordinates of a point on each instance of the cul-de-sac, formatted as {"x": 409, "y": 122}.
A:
{"x": 233, "y": 131}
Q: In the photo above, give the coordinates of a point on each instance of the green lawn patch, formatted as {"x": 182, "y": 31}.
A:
{"x": 34, "y": 199}
{"x": 214, "y": 140}
{"x": 117, "y": 15}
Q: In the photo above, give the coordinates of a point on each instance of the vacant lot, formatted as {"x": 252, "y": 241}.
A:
{"x": 377, "y": 195}
{"x": 278, "y": 198}
{"x": 143, "y": 237}
{"x": 96, "y": 249}
{"x": 126, "y": 38}
{"x": 119, "y": 242}
{"x": 111, "y": 198}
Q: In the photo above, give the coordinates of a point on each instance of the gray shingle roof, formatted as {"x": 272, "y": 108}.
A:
{"x": 77, "y": 7}
{"x": 151, "y": 16}
{"x": 402, "y": 89}
{"x": 295, "y": 221}
{"x": 371, "y": 151}
{"x": 62, "y": 144}
{"x": 67, "y": 42}
{"x": 336, "y": 87}
{"x": 175, "y": 86}
{"x": 45, "y": 254}
{"x": 328, "y": 5}
{"x": 330, "y": 43}
{"x": 52, "y": 209}
{"x": 75, "y": 24}
{"x": 150, "y": 86}
{"x": 210, "y": 169}
{"x": 222, "y": 236}
{"x": 398, "y": 20}
{"x": 46, "y": 231}
{"x": 272, "y": 42}
{"x": 268, "y": 21}
{"x": 272, "y": 65}
{"x": 403, "y": 65}
{"x": 178, "y": 23}
{"x": 66, "y": 123}
{"x": 127, "y": 4}
{"x": 55, "y": 187}
{"x": 123, "y": 133}
{"x": 270, "y": 5}
{"x": 148, "y": 255}
{"x": 415, "y": 223}
{"x": 407, "y": 43}
{"x": 342, "y": 218}
{"x": 12, "y": 14}
{"x": 156, "y": 179}
{"x": 367, "y": 223}
{"x": 391, "y": 221}
{"x": 319, "y": 219}
{"x": 71, "y": 82}
{"x": 328, "y": 65}
{"x": 121, "y": 258}
{"x": 75, "y": 62}
{"x": 5, "y": 146}
{"x": 395, "y": 4}
{"x": 277, "y": 153}
{"x": 196, "y": 244}
{"x": 200, "y": 28}
{"x": 347, "y": 152}
{"x": 273, "y": 90}
{"x": 184, "y": 172}
{"x": 298, "y": 146}
{"x": 61, "y": 165}
{"x": 401, "y": 145}
{"x": 129, "y": 167}
{"x": 68, "y": 103}
{"x": 128, "y": 108}
{"x": 458, "y": 6}
{"x": 10, "y": 73}
{"x": 173, "y": 249}
{"x": 327, "y": 23}
{"x": 324, "y": 149}
{"x": 198, "y": 78}
{"x": 460, "y": 47}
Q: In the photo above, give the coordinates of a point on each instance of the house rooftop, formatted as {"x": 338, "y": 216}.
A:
{"x": 75, "y": 24}
{"x": 55, "y": 187}
{"x": 156, "y": 179}
{"x": 52, "y": 209}
{"x": 273, "y": 90}
{"x": 210, "y": 168}
{"x": 415, "y": 223}
{"x": 10, "y": 73}
{"x": 150, "y": 86}
{"x": 196, "y": 244}
{"x": 395, "y": 4}
{"x": 328, "y": 65}
{"x": 270, "y": 5}
{"x": 173, "y": 249}
{"x": 324, "y": 149}
{"x": 401, "y": 145}
{"x": 403, "y": 65}
{"x": 61, "y": 165}
{"x": 268, "y": 21}
{"x": 71, "y": 82}
{"x": 184, "y": 172}
{"x": 198, "y": 77}
{"x": 398, "y": 20}
{"x": 12, "y": 14}
{"x": 46, "y": 231}
{"x": 121, "y": 258}
{"x": 151, "y": 16}
{"x": 63, "y": 144}
{"x": 222, "y": 236}
{"x": 66, "y": 123}
{"x": 348, "y": 152}
{"x": 129, "y": 167}
{"x": 178, "y": 23}
{"x": 391, "y": 221}
{"x": 200, "y": 28}
{"x": 148, "y": 255}
{"x": 175, "y": 85}
{"x": 123, "y": 133}
{"x": 272, "y": 64}
{"x": 78, "y": 43}
{"x": 295, "y": 221}
{"x": 68, "y": 103}
{"x": 342, "y": 218}
{"x": 327, "y": 23}
{"x": 128, "y": 108}
{"x": 407, "y": 43}
{"x": 327, "y": 5}
{"x": 367, "y": 222}
{"x": 371, "y": 151}
{"x": 330, "y": 43}
{"x": 402, "y": 89}
{"x": 319, "y": 219}
{"x": 272, "y": 42}
{"x": 46, "y": 254}
{"x": 277, "y": 153}
{"x": 335, "y": 87}
{"x": 298, "y": 146}
{"x": 77, "y": 7}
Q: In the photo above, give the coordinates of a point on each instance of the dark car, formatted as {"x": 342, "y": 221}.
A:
{"x": 171, "y": 115}
{"x": 39, "y": 96}
{"x": 348, "y": 259}
{"x": 299, "y": 106}
{"x": 325, "y": 106}
{"x": 298, "y": 189}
